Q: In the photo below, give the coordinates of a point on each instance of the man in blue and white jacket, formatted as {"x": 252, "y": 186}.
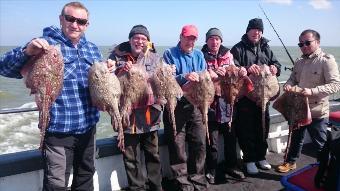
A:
{"x": 70, "y": 137}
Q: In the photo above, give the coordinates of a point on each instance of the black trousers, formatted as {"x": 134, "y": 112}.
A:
{"x": 134, "y": 143}
{"x": 61, "y": 153}
{"x": 249, "y": 130}
{"x": 230, "y": 154}
{"x": 188, "y": 170}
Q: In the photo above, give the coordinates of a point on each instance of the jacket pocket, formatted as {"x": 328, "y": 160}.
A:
{"x": 318, "y": 108}
{"x": 70, "y": 68}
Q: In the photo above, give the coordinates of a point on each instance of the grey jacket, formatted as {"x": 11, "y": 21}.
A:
{"x": 319, "y": 72}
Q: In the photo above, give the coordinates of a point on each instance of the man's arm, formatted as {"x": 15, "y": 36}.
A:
{"x": 332, "y": 78}
{"x": 12, "y": 62}
{"x": 180, "y": 78}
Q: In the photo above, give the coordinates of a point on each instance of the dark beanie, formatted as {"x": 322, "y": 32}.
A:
{"x": 213, "y": 32}
{"x": 255, "y": 24}
{"x": 139, "y": 29}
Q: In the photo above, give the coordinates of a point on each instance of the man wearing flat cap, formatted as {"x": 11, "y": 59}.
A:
{"x": 251, "y": 52}
{"x": 145, "y": 118}
{"x": 188, "y": 172}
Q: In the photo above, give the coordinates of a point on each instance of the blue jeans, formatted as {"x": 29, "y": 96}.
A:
{"x": 318, "y": 132}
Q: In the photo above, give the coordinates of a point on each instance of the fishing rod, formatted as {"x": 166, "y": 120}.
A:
{"x": 291, "y": 59}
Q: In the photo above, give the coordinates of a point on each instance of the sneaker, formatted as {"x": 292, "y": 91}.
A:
{"x": 235, "y": 173}
{"x": 286, "y": 167}
{"x": 251, "y": 168}
{"x": 210, "y": 178}
{"x": 264, "y": 165}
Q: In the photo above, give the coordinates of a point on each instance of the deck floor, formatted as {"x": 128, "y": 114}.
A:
{"x": 264, "y": 181}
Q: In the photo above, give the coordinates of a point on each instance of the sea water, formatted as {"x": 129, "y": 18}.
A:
{"x": 20, "y": 131}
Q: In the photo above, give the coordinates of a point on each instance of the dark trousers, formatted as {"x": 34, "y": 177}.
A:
{"x": 230, "y": 154}
{"x": 249, "y": 130}
{"x": 148, "y": 142}
{"x": 61, "y": 153}
{"x": 318, "y": 132}
{"x": 188, "y": 171}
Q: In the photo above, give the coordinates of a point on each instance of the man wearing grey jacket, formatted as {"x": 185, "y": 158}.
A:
{"x": 317, "y": 74}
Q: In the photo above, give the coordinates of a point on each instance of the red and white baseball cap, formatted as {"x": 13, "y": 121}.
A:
{"x": 189, "y": 30}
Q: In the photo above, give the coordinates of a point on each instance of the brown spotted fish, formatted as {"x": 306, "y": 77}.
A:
{"x": 201, "y": 94}
{"x": 295, "y": 109}
{"x": 232, "y": 84}
{"x": 266, "y": 87}
{"x": 166, "y": 89}
{"x": 44, "y": 75}
{"x": 105, "y": 94}
{"x": 135, "y": 90}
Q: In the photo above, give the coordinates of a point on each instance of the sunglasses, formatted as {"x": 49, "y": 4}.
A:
{"x": 307, "y": 43}
{"x": 72, "y": 19}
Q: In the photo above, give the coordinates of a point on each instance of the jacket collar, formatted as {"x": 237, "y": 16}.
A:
{"x": 316, "y": 53}
{"x": 210, "y": 56}
{"x": 245, "y": 40}
{"x": 57, "y": 33}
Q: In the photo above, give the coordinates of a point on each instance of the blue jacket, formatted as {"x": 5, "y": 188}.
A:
{"x": 72, "y": 112}
{"x": 185, "y": 63}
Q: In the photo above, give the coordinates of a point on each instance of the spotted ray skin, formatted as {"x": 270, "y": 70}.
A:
{"x": 232, "y": 85}
{"x": 105, "y": 94}
{"x": 166, "y": 90}
{"x": 294, "y": 107}
{"x": 44, "y": 75}
{"x": 201, "y": 94}
{"x": 266, "y": 86}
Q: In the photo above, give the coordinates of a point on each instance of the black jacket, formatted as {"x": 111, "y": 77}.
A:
{"x": 246, "y": 53}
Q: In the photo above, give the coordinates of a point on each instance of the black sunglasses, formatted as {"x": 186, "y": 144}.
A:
{"x": 307, "y": 43}
{"x": 72, "y": 19}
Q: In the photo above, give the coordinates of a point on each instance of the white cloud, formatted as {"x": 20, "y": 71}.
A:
{"x": 282, "y": 2}
{"x": 320, "y": 4}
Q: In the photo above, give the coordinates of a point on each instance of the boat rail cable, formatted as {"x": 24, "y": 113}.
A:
{"x": 290, "y": 57}
{"x": 20, "y": 110}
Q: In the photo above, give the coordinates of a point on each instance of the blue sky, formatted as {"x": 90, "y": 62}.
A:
{"x": 111, "y": 21}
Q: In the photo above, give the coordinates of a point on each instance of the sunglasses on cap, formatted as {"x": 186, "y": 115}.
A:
{"x": 72, "y": 19}
{"x": 307, "y": 43}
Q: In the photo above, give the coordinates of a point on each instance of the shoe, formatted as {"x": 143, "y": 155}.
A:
{"x": 210, "y": 178}
{"x": 251, "y": 168}
{"x": 286, "y": 167}
{"x": 264, "y": 165}
{"x": 235, "y": 173}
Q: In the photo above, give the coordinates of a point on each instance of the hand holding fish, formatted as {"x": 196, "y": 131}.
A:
{"x": 273, "y": 69}
{"x": 220, "y": 71}
{"x": 213, "y": 75}
{"x": 111, "y": 65}
{"x": 254, "y": 69}
{"x": 242, "y": 71}
{"x": 192, "y": 76}
{"x": 127, "y": 66}
{"x": 36, "y": 46}
{"x": 287, "y": 87}
{"x": 173, "y": 68}
{"x": 307, "y": 92}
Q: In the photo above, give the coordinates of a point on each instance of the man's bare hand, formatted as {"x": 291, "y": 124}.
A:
{"x": 220, "y": 71}
{"x": 307, "y": 92}
{"x": 273, "y": 70}
{"x": 111, "y": 65}
{"x": 36, "y": 46}
{"x": 192, "y": 76}
{"x": 287, "y": 88}
{"x": 254, "y": 69}
{"x": 242, "y": 71}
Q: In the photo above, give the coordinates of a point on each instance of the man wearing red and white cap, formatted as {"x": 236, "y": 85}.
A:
{"x": 188, "y": 61}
